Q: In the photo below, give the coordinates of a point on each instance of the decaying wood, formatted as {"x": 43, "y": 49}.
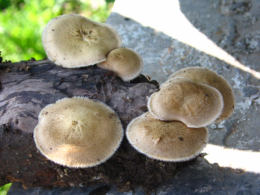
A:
{"x": 27, "y": 87}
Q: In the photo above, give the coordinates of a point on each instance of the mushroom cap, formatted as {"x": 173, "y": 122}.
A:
{"x": 205, "y": 76}
{"x": 194, "y": 104}
{"x": 78, "y": 132}
{"x": 126, "y": 63}
{"x": 74, "y": 41}
{"x": 166, "y": 141}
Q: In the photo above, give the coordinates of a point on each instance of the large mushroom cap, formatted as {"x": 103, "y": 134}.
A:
{"x": 75, "y": 41}
{"x": 126, "y": 63}
{"x": 203, "y": 75}
{"x": 194, "y": 104}
{"x": 166, "y": 141}
{"x": 78, "y": 132}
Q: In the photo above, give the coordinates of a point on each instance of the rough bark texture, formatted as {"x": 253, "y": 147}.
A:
{"x": 29, "y": 86}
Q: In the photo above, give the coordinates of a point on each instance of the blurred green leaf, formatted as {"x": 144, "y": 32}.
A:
{"x": 110, "y": 1}
{"x": 4, "y": 189}
{"x": 4, "y": 4}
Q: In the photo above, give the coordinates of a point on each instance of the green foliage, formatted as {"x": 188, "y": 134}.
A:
{"x": 110, "y": 1}
{"x": 22, "y": 21}
{"x": 4, "y": 189}
{"x": 6, "y": 3}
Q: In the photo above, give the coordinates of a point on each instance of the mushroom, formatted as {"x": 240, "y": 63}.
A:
{"x": 78, "y": 132}
{"x": 194, "y": 104}
{"x": 126, "y": 63}
{"x": 74, "y": 41}
{"x": 205, "y": 76}
{"x": 166, "y": 141}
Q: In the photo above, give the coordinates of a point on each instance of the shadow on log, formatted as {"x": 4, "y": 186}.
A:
{"x": 27, "y": 87}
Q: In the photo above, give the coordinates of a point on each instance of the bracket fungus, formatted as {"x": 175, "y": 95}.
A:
{"x": 126, "y": 63}
{"x": 206, "y": 76}
{"x": 167, "y": 141}
{"x": 74, "y": 41}
{"x": 194, "y": 104}
{"x": 78, "y": 132}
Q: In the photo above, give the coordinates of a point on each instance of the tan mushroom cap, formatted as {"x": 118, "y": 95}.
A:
{"x": 166, "y": 141}
{"x": 126, "y": 63}
{"x": 78, "y": 132}
{"x": 205, "y": 76}
{"x": 194, "y": 104}
{"x": 74, "y": 41}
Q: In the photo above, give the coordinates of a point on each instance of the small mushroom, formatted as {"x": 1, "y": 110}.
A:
{"x": 74, "y": 41}
{"x": 194, "y": 104}
{"x": 205, "y": 76}
{"x": 126, "y": 63}
{"x": 166, "y": 141}
{"x": 78, "y": 132}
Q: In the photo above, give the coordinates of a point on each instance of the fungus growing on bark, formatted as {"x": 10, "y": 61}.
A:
{"x": 205, "y": 76}
{"x": 166, "y": 141}
{"x": 126, "y": 63}
{"x": 74, "y": 41}
{"x": 194, "y": 104}
{"x": 78, "y": 132}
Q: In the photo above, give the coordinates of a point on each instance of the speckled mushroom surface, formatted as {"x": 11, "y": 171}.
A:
{"x": 166, "y": 141}
{"x": 126, "y": 63}
{"x": 195, "y": 104}
{"x": 78, "y": 132}
{"x": 206, "y": 76}
{"x": 72, "y": 40}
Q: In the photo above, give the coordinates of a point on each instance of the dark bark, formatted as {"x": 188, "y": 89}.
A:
{"x": 27, "y": 87}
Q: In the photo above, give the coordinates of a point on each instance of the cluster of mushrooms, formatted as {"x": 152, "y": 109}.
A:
{"x": 79, "y": 132}
{"x": 73, "y": 41}
{"x": 174, "y": 129}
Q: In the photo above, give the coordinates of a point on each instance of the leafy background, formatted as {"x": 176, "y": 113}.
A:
{"x": 22, "y": 22}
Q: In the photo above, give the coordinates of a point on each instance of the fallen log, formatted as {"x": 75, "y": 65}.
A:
{"x": 26, "y": 87}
